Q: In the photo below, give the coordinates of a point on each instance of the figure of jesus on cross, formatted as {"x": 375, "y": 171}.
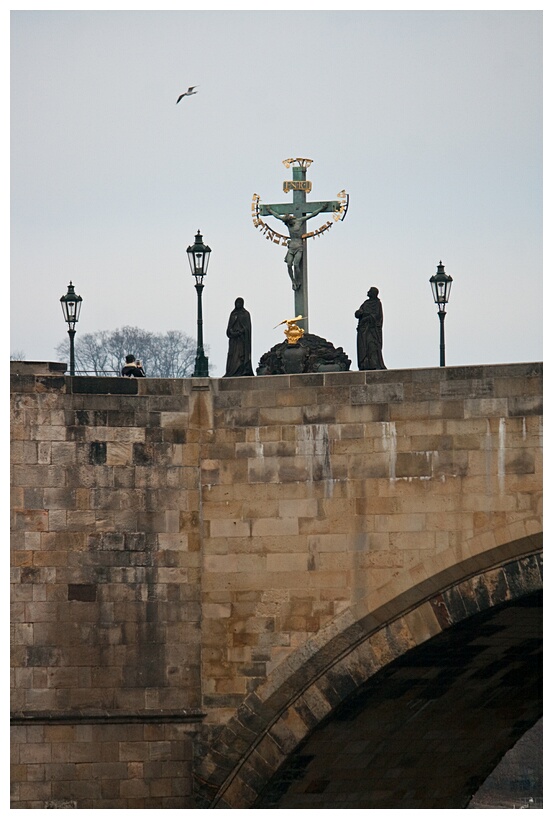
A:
{"x": 296, "y": 241}
{"x": 294, "y": 216}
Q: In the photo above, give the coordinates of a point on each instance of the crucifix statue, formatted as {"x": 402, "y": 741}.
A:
{"x": 294, "y": 216}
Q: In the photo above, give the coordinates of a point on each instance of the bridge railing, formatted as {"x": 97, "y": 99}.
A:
{"x": 96, "y": 373}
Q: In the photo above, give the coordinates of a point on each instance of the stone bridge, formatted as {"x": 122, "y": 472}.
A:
{"x": 281, "y": 591}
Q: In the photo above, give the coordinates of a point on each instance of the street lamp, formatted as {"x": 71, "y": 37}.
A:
{"x": 440, "y": 283}
{"x": 198, "y": 256}
{"x": 71, "y": 307}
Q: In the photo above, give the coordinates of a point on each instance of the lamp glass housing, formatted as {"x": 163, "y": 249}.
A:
{"x": 198, "y": 257}
{"x": 71, "y": 306}
{"x": 440, "y": 283}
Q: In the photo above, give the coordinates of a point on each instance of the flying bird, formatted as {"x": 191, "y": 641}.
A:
{"x": 188, "y": 93}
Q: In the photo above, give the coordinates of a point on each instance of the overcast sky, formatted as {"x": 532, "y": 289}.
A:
{"x": 430, "y": 120}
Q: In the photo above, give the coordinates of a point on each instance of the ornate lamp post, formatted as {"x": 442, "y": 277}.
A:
{"x": 440, "y": 283}
{"x": 198, "y": 256}
{"x": 71, "y": 307}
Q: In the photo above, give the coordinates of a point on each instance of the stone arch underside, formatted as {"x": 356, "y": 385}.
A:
{"x": 307, "y": 688}
{"x": 428, "y": 729}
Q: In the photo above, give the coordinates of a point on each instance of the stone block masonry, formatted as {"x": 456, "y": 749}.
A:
{"x": 175, "y": 541}
{"x": 106, "y": 602}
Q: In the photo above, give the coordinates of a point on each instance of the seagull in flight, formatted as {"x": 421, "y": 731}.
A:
{"x": 188, "y": 93}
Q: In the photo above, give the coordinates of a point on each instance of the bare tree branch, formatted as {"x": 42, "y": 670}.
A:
{"x": 163, "y": 355}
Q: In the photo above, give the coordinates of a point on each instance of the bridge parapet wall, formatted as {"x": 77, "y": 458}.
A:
{"x": 176, "y": 543}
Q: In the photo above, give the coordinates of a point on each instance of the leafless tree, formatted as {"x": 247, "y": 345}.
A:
{"x": 163, "y": 355}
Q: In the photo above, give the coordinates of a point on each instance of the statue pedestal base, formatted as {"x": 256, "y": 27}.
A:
{"x": 310, "y": 354}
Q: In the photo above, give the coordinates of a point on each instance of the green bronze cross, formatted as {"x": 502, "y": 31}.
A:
{"x": 295, "y": 216}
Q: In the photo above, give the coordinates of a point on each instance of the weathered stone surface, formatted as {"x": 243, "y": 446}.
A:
{"x": 251, "y": 534}
{"x": 109, "y": 386}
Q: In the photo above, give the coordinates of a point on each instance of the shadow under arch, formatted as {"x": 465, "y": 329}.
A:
{"x": 307, "y": 687}
{"x": 429, "y": 728}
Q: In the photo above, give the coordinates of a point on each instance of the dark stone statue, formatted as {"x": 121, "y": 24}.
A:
{"x": 309, "y": 354}
{"x": 369, "y": 333}
{"x": 239, "y": 333}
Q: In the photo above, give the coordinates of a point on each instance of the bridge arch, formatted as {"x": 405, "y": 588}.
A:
{"x": 303, "y": 693}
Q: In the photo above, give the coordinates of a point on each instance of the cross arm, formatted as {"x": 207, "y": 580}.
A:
{"x": 302, "y": 209}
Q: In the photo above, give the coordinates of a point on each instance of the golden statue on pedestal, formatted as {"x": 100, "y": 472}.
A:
{"x": 293, "y": 333}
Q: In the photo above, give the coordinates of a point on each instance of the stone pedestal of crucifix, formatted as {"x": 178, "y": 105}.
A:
{"x": 294, "y": 216}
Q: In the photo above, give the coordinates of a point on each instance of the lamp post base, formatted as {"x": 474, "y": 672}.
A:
{"x": 71, "y": 351}
{"x": 201, "y": 365}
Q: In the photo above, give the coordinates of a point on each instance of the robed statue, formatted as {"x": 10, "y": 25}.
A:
{"x": 239, "y": 334}
{"x": 369, "y": 333}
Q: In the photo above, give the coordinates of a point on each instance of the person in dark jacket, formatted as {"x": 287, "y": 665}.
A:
{"x": 239, "y": 334}
{"x": 369, "y": 333}
{"x": 133, "y": 368}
